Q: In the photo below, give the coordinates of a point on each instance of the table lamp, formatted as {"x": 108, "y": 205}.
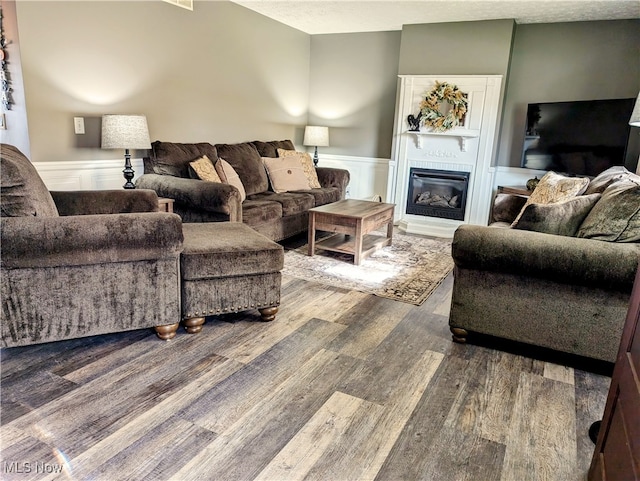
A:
{"x": 315, "y": 136}
{"x": 125, "y": 132}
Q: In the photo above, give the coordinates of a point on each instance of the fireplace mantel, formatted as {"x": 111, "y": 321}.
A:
{"x": 463, "y": 135}
{"x": 467, "y": 148}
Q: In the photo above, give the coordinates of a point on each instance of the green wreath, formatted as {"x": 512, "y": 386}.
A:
{"x": 430, "y": 107}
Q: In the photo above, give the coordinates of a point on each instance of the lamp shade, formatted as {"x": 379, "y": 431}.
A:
{"x": 125, "y": 132}
{"x": 315, "y": 136}
{"x": 634, "y": 121}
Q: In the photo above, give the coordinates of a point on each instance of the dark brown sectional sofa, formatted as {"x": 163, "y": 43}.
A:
{"x": 275, "y": 215}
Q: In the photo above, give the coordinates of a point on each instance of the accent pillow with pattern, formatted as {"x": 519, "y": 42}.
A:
{"x": 307, "y": 165}
{"x": 554, "y": 188}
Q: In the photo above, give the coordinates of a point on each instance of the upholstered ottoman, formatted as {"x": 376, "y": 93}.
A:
{"x": 228, "y": 267}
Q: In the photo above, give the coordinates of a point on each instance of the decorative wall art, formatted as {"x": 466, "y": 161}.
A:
{"x": 5, "y": 88}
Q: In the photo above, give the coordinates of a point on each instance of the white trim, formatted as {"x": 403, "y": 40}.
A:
{"x": 86, "y": 174}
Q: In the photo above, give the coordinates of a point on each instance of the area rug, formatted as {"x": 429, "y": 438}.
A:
{"x": 409, "y": 270}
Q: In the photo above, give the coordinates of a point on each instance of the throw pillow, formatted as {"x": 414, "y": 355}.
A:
{"x": 560, "y": 218}
{"x": 204, "y": 169}
{"x": 307, "y": 164}
{"x": 231, "y": 177}
{"x": 608, "y": 177}
{"x": 616, "y": 217}
{"x": 22, "y": 191}
{"x": 554, "y": 188}
{"x": 286, "y": 174}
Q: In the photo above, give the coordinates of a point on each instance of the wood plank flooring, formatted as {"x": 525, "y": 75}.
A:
{"x": 341, "y": 386}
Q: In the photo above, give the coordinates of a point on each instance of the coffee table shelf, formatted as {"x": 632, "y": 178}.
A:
{"x": 347, "y": 244}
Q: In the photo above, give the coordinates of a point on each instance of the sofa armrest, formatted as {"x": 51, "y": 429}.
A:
{"x": 89, "y": 239}
{"x": 330, "y": 177}
{"x": 195, "y": 193}
{"x": 88, "y": 202}
{"x": 563, "y": 259}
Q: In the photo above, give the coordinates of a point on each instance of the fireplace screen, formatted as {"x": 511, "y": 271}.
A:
{"x": 437, "y": 193}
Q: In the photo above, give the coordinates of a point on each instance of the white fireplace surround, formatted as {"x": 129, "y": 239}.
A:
{"x": 467, "y": 148}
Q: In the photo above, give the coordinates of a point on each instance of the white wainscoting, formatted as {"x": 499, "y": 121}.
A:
{"x": 368, "y": 175}
{"x": 86, "y": 175}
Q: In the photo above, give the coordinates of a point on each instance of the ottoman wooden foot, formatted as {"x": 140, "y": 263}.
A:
{"x": 459, "y": 334}
{"x": 167, "y": 332}
{"x": 193, "y": 325}
{"x": 268, "y": 313}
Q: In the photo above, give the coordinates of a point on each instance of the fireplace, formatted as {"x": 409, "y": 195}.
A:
{"x": 437, "y": 193}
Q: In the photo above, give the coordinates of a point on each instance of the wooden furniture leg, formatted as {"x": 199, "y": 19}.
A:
{"x": 268, "y": 313}
{"x": 193, "y": 325}
{"x": 459, "y": 334}
{"x": 312, "y": 233}
{"x": 167, "y": 332}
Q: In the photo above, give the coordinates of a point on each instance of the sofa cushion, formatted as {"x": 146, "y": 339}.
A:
{"x": 229, "y": 176}
{"x": 560, "y": 218}
{"x": 292, "y": 202}
{"x": 171, "y": 158}
{"x": 258, "y": 211}
{"x": 22, "y": 191}
{"x": 324, "y": 195}
{"x": 246, "y": 161}
{"x": 204, "y": 169}
{"x": 270, "y": 149}
{"x": 603, "y": 180}
{"x": 285, "y": 174}
{"x": 555, "y": 188}
{"x": 616, "y": 217}
{"x": 307, "y": 164}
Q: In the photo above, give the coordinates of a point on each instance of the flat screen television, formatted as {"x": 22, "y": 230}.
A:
{"x": 580, "y": 137}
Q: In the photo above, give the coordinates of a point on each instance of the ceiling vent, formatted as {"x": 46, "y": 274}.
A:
{"x": 188, "y": 4}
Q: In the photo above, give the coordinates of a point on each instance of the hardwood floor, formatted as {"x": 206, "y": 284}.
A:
{"x": 341, "y": 386}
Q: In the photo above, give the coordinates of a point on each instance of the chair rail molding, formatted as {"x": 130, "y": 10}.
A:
{"x": 86, "y": 174}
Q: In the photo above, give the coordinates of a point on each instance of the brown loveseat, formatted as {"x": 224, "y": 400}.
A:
{"x": 275, "y": 215}
{"x": 65, "y": 275}
{"x": 568, "y": 290}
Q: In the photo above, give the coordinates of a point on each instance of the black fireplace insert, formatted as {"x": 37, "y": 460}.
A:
{"x": 437, "y": 193}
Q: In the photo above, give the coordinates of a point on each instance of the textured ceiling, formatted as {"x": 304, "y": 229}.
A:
{"x": 330, "y": 16}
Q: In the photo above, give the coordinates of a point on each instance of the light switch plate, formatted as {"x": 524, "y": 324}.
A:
{"x": 78, "y": 125}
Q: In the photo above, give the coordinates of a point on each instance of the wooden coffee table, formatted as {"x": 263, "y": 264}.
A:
{"x": 351, "y": 221}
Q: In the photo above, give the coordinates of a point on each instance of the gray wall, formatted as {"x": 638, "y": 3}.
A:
{"x": 567, "y": 61}
{"x": 353, "y": 91}
{"x": 225, "y": 74}
{"x": 221, "y": 73}
{"x": 462, "y": 48}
